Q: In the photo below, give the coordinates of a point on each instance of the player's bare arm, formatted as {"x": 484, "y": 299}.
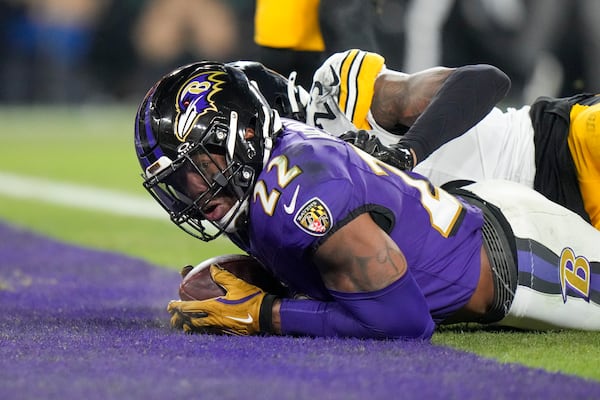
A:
{"x": 464, "y": 97}
{"x": 360, "y": 257}
{"x": 367, "y": 275}
{"x": 400, "y": 98}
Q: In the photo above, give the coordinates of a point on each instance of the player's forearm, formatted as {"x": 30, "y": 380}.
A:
{"x": 399, "y": 98}
{"x": 467, "y": 96}
{"x": 397, "y": 311}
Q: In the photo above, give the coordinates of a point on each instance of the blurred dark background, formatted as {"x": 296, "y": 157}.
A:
{"x": 91, "y": 51}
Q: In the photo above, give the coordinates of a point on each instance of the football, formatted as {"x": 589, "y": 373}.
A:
{"x": 197, "y": 284}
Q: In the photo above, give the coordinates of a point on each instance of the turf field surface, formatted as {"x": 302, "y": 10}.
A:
{"x": 92, "y": 324}
{"x": 91, "y": 148}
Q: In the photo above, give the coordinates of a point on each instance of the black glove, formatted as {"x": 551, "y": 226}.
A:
{"x": 361, "y": 139}
{"x": 397, "y": 155}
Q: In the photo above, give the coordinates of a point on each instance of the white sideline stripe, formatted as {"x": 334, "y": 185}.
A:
{"x": 79, "y": 196}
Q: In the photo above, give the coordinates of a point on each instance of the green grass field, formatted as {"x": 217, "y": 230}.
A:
{"x": 93, "y": 147}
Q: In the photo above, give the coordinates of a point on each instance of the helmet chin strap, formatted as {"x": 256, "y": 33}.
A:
{"x": 231, "y": 221}
{"x": 272, "y": 124}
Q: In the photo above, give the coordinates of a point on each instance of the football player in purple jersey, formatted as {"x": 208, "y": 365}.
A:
{"x": 371, "y": 251}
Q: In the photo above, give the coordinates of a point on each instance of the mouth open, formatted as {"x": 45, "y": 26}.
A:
{"x": 214, "y": 211}
{"x": 209, "y": 209}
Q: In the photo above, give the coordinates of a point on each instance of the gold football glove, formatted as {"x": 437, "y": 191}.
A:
{"x": 245, "y": 309}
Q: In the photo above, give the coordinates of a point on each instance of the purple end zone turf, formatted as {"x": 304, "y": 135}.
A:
{"x": 78, "y": 324}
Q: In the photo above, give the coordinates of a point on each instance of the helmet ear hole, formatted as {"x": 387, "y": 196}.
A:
{"x": 251, "y": 128}
{"x": 280, "y": 105}
{"x": 253, "y": 122}
{"x": 249, "y": 134}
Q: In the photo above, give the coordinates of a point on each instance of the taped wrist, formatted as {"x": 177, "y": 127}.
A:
{"x": 265, "y": 315}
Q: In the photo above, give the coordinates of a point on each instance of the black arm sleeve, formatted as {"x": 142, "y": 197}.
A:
{"x": 468, "y": 95}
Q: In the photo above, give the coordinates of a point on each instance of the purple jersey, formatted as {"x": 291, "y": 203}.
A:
{"x": 314, "y": 183}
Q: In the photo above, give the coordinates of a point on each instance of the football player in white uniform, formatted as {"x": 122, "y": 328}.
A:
{"x": 443, "y": 123}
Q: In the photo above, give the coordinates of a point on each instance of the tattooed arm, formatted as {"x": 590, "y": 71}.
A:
{"x": 438, "y": 104}
{"x": 374, "y": 295}
{"x": 399, "y": 98}
{"x": 360, "y": 257}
